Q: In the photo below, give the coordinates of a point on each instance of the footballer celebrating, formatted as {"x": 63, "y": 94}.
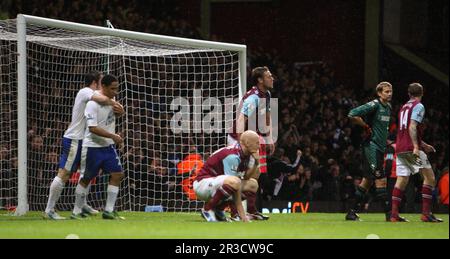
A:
{"x": 98, "y": 151}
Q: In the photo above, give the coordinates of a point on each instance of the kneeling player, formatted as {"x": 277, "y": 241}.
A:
{"x": 226, "y": 175}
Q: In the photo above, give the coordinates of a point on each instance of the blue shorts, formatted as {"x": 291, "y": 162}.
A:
{"x": 95, "y": 158}
{"x": 71, "y": 154}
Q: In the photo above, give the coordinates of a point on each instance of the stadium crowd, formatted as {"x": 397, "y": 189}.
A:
{"x": 313, "y": 107}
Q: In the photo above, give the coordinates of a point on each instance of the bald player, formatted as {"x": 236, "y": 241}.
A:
{"x": 255, "y": 106}
{"x": 227, "y": 174}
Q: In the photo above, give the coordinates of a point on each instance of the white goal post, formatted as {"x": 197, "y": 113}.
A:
{"x": 153, "y": 70}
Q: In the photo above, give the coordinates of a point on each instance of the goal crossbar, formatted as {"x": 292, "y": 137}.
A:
{"x": 21, "y": 23}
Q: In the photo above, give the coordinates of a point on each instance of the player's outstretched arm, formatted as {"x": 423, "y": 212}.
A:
{"x": 103, "y": 100}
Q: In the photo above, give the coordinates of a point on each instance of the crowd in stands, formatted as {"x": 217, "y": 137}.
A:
{"x": 313, "y": 108}
{"x": 137, "y": 15}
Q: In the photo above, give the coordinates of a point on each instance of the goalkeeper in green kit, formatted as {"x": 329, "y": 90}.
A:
{"x": 374, "y": 117}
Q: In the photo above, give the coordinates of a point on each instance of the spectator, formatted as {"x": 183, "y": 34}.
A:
{"x": 279, "y": 171}
{"x": 443, "y": 188}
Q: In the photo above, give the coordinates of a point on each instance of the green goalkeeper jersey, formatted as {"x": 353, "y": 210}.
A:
{"x": 377, "y": 115}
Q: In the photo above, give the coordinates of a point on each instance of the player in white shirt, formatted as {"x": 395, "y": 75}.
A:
{"x": 72, "y": 141}
{"x": 98, "y": 151}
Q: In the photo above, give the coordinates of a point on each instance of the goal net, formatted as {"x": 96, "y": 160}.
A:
{"x": 165, "y": 87}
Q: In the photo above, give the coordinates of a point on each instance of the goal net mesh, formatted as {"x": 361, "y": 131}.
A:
{"x": 156, "y": 81}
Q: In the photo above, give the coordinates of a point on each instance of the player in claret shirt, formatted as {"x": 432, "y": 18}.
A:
{"x": 227, "y": 175}
{"x": 411, "y": 156}
{"x": 254, "y": 113}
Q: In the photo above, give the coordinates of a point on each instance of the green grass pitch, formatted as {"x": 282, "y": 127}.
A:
{"x": 192, "y": 226}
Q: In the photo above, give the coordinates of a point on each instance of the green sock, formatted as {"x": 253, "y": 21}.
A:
{"x": 360, "y": 196}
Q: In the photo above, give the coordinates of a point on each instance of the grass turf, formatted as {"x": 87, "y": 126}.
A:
{"x": 192, "y": 226}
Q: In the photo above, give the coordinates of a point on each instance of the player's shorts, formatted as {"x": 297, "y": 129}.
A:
{"x": 407, "y": 166}
{"x": 95, "y": 158}
{"x": 262, "y": 152}
{"x": 71, "y": 154}
{"x": 207, "y": 187}
{"x": 373, "y": 160}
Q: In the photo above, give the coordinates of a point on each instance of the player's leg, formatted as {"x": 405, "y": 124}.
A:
{"x": 370, "y": 165}
{"x": 360, "y": 197}
{"x": 204, "y": 190}
{"x": 381, "y": 184}
{"x": 81, "y": 191}
{"x": 223, "y": 189}
{"x": 56, "y": 188}
{"x": 89, "y": 168}
{"x": 86, "y": 208}
{"x": 397, "y": 196}
{"x": 362, "y": 189}
{"x": 404, "y": 169}
{"x": 69, "y": 162}
{"x": 216, "y": 191}
{"x": 112, "y": 164}
{"x": 249, "y": 191}
{"x": 111, "y": 198}
{"x": 427, "y": 195}
{"x": 262, "y": 169}
{"x": 429, "y": 181}
{"x": 382, "y": 196}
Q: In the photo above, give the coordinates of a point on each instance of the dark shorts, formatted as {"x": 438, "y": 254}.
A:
{"x": 373, "y": 160}
{"x": 95, "y": 158}
{"x": 70, "y": 155}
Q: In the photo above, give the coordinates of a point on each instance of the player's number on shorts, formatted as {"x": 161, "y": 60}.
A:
{"x": 404, "y": 119}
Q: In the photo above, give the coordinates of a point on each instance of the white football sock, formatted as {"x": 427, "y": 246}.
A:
{"x": 55, "y": 192}
{"x": 85, "y": 197}
{"x": 112, "y": 197}
{"x": 80, "y": 195}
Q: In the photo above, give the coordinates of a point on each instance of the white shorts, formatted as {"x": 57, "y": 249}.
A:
{"x": 406, "y": 165}
{"x": 206, "y": 188}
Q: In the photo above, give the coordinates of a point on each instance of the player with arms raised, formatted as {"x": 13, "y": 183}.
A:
{"x": 411, "y": 158}
{"x": 72, "y": 141}
{"x": 226, "y": 175}
{"x": 374, "y": 117}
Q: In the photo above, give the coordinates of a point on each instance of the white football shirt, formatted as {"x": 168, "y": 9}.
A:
{"x": 77, "y": 126}
{"x": 98, "y": 116}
